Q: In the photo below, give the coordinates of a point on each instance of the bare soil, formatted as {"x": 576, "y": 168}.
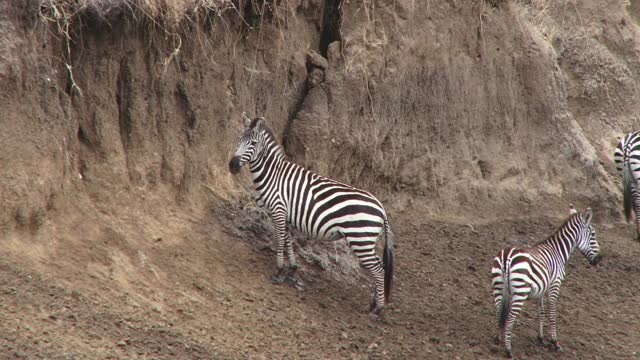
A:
{"x": 204, "y": 294}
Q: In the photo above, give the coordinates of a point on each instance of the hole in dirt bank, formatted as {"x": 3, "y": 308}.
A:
{"x": 331, "y": 24}
{"x": 82, "y": 137}
{"x": 84, "y": 144}
{"x": 186, "y": 110}
{"x": 124, "y": 90}
{"x": 286, "y": 135}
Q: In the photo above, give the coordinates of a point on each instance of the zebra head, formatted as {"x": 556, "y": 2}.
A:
{"x": 587, "y": 239}
{"x": 250, "y": 145}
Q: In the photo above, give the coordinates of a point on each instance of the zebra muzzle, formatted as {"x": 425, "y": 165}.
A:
{"x": 234, "y": 165}
{"x": 596, "y": 260}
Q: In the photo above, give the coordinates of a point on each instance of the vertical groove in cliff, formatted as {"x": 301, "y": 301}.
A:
{"x": 123, "y": 99}
{"x": 331, "y": 24}
{"x": 292, "y": 115}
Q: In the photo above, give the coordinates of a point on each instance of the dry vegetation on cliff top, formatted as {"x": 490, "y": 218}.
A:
{"x": 170, "y": 12}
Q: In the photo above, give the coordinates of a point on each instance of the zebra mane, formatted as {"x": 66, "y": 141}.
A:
{"x": 270, "y": 135}
{"x": 254, "y": 122}
{"x": 560, "y": 228}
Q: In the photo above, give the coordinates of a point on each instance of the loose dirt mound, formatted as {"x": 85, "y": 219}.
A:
{"x": 124, "y": 236}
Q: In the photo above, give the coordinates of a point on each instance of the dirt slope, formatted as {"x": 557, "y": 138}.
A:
{"x": 122, "y": 234}
{"x": 442, "y": 308}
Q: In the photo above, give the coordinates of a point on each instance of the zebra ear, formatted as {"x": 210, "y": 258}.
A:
{"x": 587, "y": 215}
{"x": 246, "y": 120}
{"x": 260, "y": 123}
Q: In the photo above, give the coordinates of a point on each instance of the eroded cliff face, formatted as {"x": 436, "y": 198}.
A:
{"x": 447, "y": 106}
{"x": 465, "y": 107}
{"x": 469, "y": 111}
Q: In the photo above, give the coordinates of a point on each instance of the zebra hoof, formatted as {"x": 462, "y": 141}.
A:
{"x": 292, "y": 270}
{"x": 375, "y": 309}
{"x": 540, "y": 340}
{"x": 496, "y": 340}
{"x": 509, "y": 354}
{"x": 555, "y": 346}
{"x": 290, "y": 280}
{"x": 278, "y": 277}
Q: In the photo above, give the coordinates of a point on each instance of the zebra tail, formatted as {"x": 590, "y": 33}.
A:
{"x": 506, "y": 295}
{"x": 387, "y": 260}
{"x": 627, "y": 189}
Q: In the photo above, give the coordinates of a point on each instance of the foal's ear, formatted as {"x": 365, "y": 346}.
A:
{"x": 246, "y": 120}
{"x": 587, "y": 215}
{"x": 260, "y": 122}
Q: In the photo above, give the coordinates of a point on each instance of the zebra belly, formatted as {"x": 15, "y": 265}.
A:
{"x": 536, "y": 291}
{"x": 339, "y": 232}
{"x": 333, "y": 236}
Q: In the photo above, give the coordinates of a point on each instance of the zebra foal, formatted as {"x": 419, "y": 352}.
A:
{"x": 519, "y": 274}
{"x": 627, "y": 159}
{"x": 319, "y": 207}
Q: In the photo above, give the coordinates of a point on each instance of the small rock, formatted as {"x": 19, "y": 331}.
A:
{"x": 317, "y": 60}
{"x": 122, "y": 343}
{"x": 334, "y": 53}
{"x": 198, "y": 286}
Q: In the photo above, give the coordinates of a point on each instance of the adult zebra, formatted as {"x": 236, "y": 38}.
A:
{"x": 627, "y": 159}
{"x": 520, "y": 274}
{"x": 320, "y": 207}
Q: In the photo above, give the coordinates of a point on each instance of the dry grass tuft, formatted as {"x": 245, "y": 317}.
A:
{"x": 168, "y": 12}
{"x": 537, "y": 17}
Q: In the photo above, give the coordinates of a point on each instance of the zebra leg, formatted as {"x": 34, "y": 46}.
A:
{"x": 636, "y": 209}
{"x": 516, "y": 307}
{"x": 554, "y": 291}
{"x": 364, "y": 249}
{"x": 540, "y": 304}
{"x": 293, "y": 264}
{"x": 498, "y": 285}
{"x": 498, "y": 311}
{"x": 280, "y": 230}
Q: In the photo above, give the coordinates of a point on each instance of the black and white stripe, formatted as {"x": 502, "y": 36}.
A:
{"x": 519, "y": 274}
{"x": 319, "y": 207}
{"x": 627, "y": 159}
